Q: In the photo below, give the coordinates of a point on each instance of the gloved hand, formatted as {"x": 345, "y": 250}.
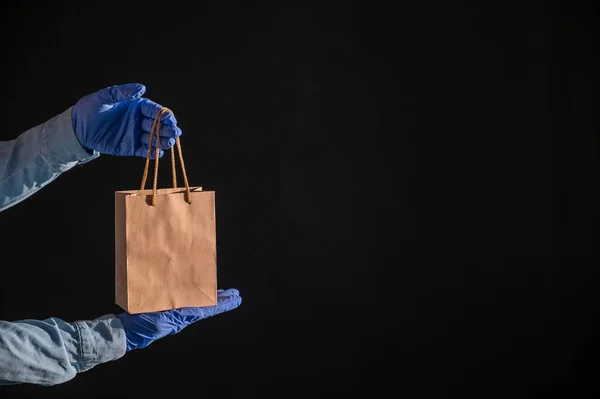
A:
{"x": 143, "y": 329}
{"x": 118, "y": 121}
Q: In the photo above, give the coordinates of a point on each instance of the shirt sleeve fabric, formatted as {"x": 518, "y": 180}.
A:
{"x": 52, "y": 351}
{"x": 37, "y": 157}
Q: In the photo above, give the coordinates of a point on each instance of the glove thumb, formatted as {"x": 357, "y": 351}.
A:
{"x": 115, "y": 94}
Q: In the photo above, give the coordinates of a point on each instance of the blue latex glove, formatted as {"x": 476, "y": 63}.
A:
{"x": 143, "y": 329}
{"x": 118, "y": 121}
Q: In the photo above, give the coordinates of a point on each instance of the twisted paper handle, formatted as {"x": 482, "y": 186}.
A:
{"x": 156, "y": 129}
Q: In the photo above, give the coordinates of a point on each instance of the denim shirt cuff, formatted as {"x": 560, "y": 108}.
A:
{"x": 101, "y": 340}
{"x": 61, "y": 147}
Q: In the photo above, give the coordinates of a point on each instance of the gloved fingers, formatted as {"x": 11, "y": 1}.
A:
{"x": 142, "y": 151}
{"x": 227, "y": 300}
{"x": 165, "y": 142}
{"x": 115, "y": 94}
{"x": 224, "y": 294}
{"x": 165, "y": 130}
{"x": 150, "y": 109}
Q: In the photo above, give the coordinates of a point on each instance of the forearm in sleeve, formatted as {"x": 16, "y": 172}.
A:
{"x": 52, "y": 351}
{"x": 37, "y": 157}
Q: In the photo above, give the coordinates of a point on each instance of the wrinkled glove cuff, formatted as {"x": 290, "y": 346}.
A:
{"x": 61, "y": 147}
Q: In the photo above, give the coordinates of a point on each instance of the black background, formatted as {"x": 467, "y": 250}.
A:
{"x": 405, "y": 194}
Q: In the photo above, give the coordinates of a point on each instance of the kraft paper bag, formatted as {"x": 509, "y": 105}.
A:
{"x": 165, "y": 244}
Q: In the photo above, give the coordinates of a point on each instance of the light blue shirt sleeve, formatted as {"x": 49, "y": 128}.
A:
{"x": 37, "y": 157}
{"x": 52, "y": 351}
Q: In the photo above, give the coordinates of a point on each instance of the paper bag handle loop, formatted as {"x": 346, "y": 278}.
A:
{"x": 156, "y": 128}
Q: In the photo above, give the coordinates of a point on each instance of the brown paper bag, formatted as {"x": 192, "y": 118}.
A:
{"x": 165, "y": 244}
